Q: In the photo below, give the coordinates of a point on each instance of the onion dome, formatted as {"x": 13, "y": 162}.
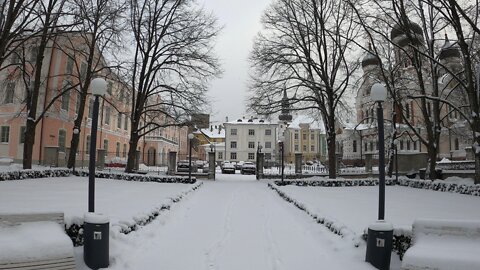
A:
{"x": 449, "y": 50}
{"x": 370, "y": 59}
{"x": 398, "y": 34}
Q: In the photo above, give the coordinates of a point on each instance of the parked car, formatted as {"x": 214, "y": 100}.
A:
{"x": 248, "y": 168}
{"x": 228, "y": 167}
{"x": 183, "y": 166}
{"x": 238, "y": 165}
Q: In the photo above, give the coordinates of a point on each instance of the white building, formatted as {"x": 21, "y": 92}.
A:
{"x": 244, "y": 136}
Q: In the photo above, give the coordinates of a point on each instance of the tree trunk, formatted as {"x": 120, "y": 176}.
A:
{"x": 332, "y": 159}
{"x": 73, "y": 149}
{"x": 132, "y": 152}
{"x": 477, "y": 168}
{"x": 28, "y": 145}
{"x": 432, "y": 163}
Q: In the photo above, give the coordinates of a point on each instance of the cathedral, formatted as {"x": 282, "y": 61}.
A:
{"x": 403, "y": 108}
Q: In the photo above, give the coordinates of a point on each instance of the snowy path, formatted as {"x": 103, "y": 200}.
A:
{"x": 237, "y": 223}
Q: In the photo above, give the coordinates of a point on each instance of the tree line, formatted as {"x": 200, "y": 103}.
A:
{"x": 311, "y": 49}
{"x": 159, "y": 53}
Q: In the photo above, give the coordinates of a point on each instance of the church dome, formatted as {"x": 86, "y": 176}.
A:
{"x": 398, "y": 35}
{"x": 449, "y": 50}
{"x": 370, "y": 59}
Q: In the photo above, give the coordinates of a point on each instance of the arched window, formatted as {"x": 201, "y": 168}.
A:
{"x": 62, "y": 137}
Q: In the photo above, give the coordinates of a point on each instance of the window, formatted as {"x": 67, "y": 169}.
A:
{"x": 233, "y": 144}
{"x": 9, "y": 92}
{"x": 109, "y": 87}
{"x": 107, "y": 115}
{"x": 251, "y": 155}
{"x": 312, "y": 148}
{"x": 268, "y": 156}
{"x": 296, "y": 136}
{"x": 251, "y": 132}
{"x": 90, "y": 108}
{"x": 408, "y": 145}
{"x": 77, "y": 104}
{"x": 304, "y": 148}
{"x": 366, "y": 147}
{"x": 22, "y": 134}
{"x": 87, "y": 146}
{"x": 414, "y": 145}
{"x": 296, "y": 147}
{"x": 268, "y": 144}
{"x": 124, "y": 150}
{"x": 401, "y": 144}
{"x": 354, "y": 146}
{"x": 117, "y": 150}
{"x": 69, "y": 69}
{"x": 66, "y": 95}
{"x": 233, "y": 156}
{"x": 251, "y": 145}
{"x": 126, "y": 123}
{"x": 233, "y": 131}
{"x": 268, "y": 132}
{"x": 119, "y": 120}
{"x": 220, "y": 155}
{"x": 312, "y": 136}
{"x": 457, "y": 147}
{"x": 122, "y": 95}
{"x": 33, "y": 55}
{"x": 304, "y": 137}
{"x": 105, "y": 145}
{"x": 83, "y": 71}
{"x": 371, "y": 146}
{"x": 62, "y": 137}
{"x": 5, "y": 134}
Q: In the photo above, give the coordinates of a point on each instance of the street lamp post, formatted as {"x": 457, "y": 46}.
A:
{"x": 99, "y": 87}
{"x": 212, "y": 161}
{"x": 281, "y": 143}
{"x": 380, "y": 234}
{"x": 190, "y": 138}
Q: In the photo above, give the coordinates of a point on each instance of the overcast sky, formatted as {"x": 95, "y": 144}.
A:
{"x": 241, "y": 21}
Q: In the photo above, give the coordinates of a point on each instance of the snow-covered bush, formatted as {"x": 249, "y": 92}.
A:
{"x": 33, "y": 174}
{"x": 335, "y": 183}
{"x": 439, "y": 185}
{"x": 139, "y": 177}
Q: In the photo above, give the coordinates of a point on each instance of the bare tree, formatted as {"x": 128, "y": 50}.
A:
{"x": 172, "y": 64}
{"x": 305, "y": 49}
{"x": 98, "y": 26}
{"x": 15, "y": 16}
{"x": 44, "y": 28}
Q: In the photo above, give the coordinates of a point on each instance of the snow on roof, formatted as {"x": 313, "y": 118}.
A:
{"x": 214, "y": 133}
{"x": 307, "y": 119}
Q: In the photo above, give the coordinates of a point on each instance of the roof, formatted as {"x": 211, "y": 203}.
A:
{"x": 251, "y": 121}
{"x": 306, "y": 119}
{"x": 215, "y": 133}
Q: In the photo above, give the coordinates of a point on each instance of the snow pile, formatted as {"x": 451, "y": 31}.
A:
{"x": 31, "y": 241}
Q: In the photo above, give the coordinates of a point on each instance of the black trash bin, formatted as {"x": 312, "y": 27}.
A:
{"x": 96, "y": 229}
{"x": 379, "y": 245}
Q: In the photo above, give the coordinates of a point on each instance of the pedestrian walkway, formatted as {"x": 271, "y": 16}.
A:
{"x": 236, "y": 223}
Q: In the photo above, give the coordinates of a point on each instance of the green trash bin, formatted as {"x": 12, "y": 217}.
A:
{"x": 379, "y": 244}
{"x": 96, "y": 229}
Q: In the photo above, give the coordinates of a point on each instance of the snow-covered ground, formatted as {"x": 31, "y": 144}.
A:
{"x": 233, "y": 223}
{"x": 357, "y": 207}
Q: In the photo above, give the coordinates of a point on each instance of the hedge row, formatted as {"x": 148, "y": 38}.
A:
{"x": 439, "y": 185}
{"x": 139, "y": 177}
{"x": 32, "y": 174}
{"x": 75, "y": 231}
{"x": 335, "y": 183}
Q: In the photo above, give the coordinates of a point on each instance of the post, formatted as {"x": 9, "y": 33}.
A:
{"x": 91, "y": 165}
{"x": 381, "y": 164}
{"x": 190, "y": 138}
{"x": 283, "y": 166}
{"x": 211, "y": 165}
{"x": 396, "y": 163}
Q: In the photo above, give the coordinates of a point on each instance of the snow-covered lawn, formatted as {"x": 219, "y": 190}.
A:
{"x": 357, "y": 207}
{"x": 123, "y": 201}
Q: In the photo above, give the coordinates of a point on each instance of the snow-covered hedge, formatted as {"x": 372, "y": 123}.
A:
{"x": 439, "y": 185}
{"x": 139, "y": 177}
{"x": 335, "y": 183}
{"x": 32, "y": 174}
{"x": 75, "y": 230}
